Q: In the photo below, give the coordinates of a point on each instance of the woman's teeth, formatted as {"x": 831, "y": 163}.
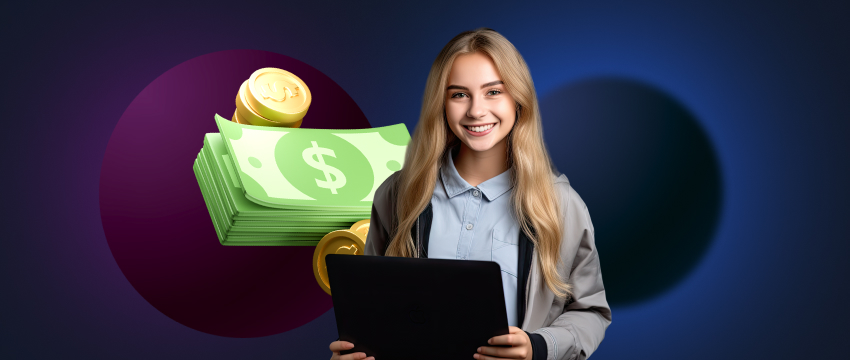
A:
{"x": 480, "y": 128}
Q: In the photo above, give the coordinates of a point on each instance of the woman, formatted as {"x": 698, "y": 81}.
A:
{"x": 478, "y": 184}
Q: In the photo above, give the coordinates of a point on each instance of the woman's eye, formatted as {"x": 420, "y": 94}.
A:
{"x": 457, "y": 95}
{"x": 494, "y": 92}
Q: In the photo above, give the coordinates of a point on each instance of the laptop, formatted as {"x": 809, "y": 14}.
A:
{"x": 396, "y": 308}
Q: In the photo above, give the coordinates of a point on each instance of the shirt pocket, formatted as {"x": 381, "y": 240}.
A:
{"x": 504, "y": 253}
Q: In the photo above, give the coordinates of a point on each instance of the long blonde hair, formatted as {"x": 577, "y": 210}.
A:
{"x": 534, "y": 199}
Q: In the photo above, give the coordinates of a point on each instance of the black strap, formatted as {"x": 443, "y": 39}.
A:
{"x": 526, "y": 251}
{"x": 424, "y": 233}
{"x": 425, "y": 228}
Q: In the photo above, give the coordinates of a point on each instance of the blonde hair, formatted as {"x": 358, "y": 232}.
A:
{"x": 534, "y": 199}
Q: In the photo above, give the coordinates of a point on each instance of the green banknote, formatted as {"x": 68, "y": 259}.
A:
{"x": 312, "y": 169}
{"x": 283, "y": 231}
{"x": 283, "y": 222}
{"x": 234, "y": 202}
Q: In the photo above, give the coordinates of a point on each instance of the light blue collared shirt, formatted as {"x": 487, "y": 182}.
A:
{"x": 476, "y": 223}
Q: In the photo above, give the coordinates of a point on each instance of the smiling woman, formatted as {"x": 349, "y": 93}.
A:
{"x": 481, "y": 113}
{"x": 478, "y": 184}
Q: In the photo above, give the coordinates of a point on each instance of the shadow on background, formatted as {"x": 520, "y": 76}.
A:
{"x": 648, "y": 174}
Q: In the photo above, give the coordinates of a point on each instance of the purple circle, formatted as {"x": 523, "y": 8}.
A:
{"x": 155, "y": 220}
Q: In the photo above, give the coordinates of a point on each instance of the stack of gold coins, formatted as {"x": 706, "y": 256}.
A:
{"x": 347, "y": 242}
{"x": 272, "y": 97}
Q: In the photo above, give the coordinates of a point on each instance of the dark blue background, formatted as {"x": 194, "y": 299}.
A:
{"x": 767, "y": 82}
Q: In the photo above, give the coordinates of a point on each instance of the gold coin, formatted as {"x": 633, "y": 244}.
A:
{"x": 361, "y": 228}
{"x": 278, "y": 95}
{"x": 335, "y": 242}
{"x": 297, "y": 124}
{"x": 238, "y": 120}
{"x": 247, "y": 113}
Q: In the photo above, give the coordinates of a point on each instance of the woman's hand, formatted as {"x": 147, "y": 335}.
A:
{"x": 517, "y": 339}
{"x": 338, "y": 346}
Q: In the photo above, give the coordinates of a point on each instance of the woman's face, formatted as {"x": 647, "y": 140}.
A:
{"x": 479, "y": 109}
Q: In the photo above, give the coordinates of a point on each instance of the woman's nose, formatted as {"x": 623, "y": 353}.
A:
{"x": 476, "y": 110}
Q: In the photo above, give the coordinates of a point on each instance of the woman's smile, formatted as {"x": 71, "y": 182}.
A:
{"x": 480, "y": 130}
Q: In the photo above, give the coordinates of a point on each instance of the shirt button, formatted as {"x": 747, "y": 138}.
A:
{"x": 476, "y": 193}
{"x": 468, "y": 226}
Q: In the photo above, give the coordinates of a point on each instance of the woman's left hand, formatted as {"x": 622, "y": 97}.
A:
{"x": 517, "y": 339}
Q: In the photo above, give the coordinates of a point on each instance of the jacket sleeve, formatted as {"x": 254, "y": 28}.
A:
{"x": 578, "y": 331}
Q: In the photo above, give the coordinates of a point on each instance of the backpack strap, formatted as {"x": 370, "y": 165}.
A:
{"x": 526, "y": 251}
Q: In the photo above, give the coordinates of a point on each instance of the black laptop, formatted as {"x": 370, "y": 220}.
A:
{"x": 396, "y": 308}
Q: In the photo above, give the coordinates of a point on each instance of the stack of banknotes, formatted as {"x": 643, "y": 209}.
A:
{"x": 292, "y": 186}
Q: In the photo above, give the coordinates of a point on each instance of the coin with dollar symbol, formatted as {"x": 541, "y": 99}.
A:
{"x": 351, "y": 241}
{"x": 325, "y": 167}
{"x": 277, "y": 95}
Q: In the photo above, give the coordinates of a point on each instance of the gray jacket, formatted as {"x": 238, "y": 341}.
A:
{"x": 571, "y": 330}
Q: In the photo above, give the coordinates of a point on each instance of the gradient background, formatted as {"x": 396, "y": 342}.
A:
{"x": 767, "y": 83}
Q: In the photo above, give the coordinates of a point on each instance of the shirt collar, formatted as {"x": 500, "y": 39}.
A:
{"x": 455, "y": 185}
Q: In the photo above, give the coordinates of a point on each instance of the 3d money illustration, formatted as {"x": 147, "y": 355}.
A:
{"x": 268, "y": 182}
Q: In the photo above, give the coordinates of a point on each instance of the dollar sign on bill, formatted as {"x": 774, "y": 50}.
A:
{"x": 319, "y": 163}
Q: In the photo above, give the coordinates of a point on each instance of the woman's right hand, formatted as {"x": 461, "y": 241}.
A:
{"x": 339, "y": 345}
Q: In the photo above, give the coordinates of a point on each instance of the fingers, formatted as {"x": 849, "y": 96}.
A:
{"x": 509, "y": 339}
{"x": 491, "y": 353}
{"x": 340, "y": 345}
{"x": 517, "y": 340}
{"x": 356, "y": 356}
